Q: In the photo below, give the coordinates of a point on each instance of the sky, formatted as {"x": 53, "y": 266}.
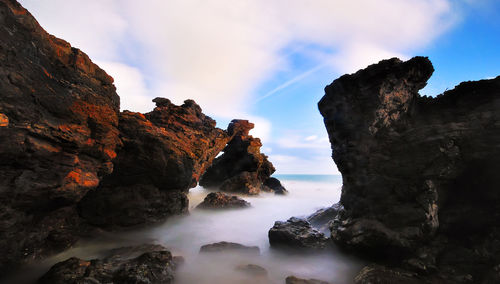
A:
{"x": 269, "y": 61}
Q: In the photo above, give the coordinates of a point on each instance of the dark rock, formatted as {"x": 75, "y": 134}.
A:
{"x": 275, "y": 185}
{"x": 228, "y": 246}
{"x": 245, "y": 182}
{"x": 420, "y": 174}
{"x": 163, "y": 155}
{"x": 296, "y": 233}
{"x": 143, "y": 264}
{"x": 241, "y": 168}
{"x": 295, "y": 280}
{"x": 374, "y": 274}
{"x": 58, "y": 133}
{"x": 219, "y": 200}
{"x": 322, "y": 218}
{"x": 252, "y": 270}
{"x": 124, "y": 206}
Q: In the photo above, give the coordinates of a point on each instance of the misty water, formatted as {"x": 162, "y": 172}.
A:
{"x": 184, "y": 235}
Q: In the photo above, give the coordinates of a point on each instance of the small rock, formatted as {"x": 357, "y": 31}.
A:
{"x": 219, "y": 200}
{"x": 228, "y": 246}
{"x": 252, "y": 270}
{"x": 295, "y": 280}
{"x": 374, "y": 274}
{"x": 275, "y": 185}
{"x": 297, "y": 233}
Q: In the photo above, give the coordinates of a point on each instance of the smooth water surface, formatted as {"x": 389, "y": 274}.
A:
{"x": 184, "y": 235}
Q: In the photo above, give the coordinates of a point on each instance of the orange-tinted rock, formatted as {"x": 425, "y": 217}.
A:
{"x": 241, "y": 168}
{"x": 163, "y": 155}
{"x": 58, "y": 132}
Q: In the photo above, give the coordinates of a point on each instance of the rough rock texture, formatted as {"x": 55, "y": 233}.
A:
{"x": 219, "y": 200}
{"x": 163, "y": 155}
{"x": 58, "y": 133}
{"x": 295, "y": 280}
{"x": 275, "y": 185}
{"x": 323, "y": 218}
{"x": 296, "y": 233}
{"x": 228, "y": 246}
{"x": 144, "y": 264}
{"x": 420, "y": 175}
{"x": 241, "y": 168}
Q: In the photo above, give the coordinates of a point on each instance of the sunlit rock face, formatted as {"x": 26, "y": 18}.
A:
{"x": 163, "y": 155}
{"x": 241, "y": 168}
{"x": 58, "y": 133}
{"x": 416, "y": 169}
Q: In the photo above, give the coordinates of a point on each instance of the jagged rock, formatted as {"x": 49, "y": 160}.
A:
{"x": 275, "y": 185}
{"x": 219, "y": 200}
{"x": 296, "y": 233}
{"x": 163, "y": 155}
{"x": 418, "y": 172}
{"x": 58, "y": 133}
{"x": 322, "y": 218}
{"x": 143, "y": 264}
{"x": 241, "y": 168}
{"x": 228, "y": 246}
{"x": 295, "y": 280}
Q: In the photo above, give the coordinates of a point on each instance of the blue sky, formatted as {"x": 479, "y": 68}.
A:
{"x": 268, "y": 61}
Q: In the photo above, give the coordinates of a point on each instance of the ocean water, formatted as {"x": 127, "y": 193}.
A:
{"x": 184, "y": 235}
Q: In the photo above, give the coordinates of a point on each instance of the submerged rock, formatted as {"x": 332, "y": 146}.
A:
{"x": 228, "y": 247}
{"x": 241, "y": 168}
{"x": 143, "y": 264}
{"x": 58, "y": 133}
{"x": 252, "y": 270}
{"x": 295, "y": 280}
{"x": 219, "y": 200}
{"x": 419, "y": 173}
{"x": 374, "y": 274}
{"x": 297, "y": 233}
{"x": 163, "y": 155}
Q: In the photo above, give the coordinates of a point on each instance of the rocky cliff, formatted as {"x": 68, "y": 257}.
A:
{"x": 241, "y": 168}
{"x": 70, "y": 161}
{"x": 164, "y": 154}
{"x": 58, "y": 133}
{"x": 420, "y": 175}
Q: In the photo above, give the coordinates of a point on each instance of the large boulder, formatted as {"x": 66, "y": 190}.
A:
{"x": 58, "y": 133}
{"x": 241, "y": 168}
{"x": 164, "y": 154}
{"x": 420, "y": 175}
{"x": 143, "y": 264}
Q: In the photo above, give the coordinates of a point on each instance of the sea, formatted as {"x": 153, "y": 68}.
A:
{"x": 184, "y": 235}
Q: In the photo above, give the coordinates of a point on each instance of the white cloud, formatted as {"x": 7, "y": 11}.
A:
{"x": 131, "y": 86}
{"x": 217, "y": 52}
{"x": 295, "y": 141}
{"x": 318, "y": 164}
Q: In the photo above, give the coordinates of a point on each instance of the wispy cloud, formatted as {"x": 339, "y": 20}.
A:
{"x": 291, "y": 81}
{"x": 219, "y": 52}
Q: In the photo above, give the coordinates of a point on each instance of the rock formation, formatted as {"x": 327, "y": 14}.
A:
{"x": 229, "y": 247}
{"x": 163, "y": 155}
{"x": 58, "y": 133}
{"x": 241, "y": 168}
{"x": 142, "y": 264}
{"x": 420, "y": 174}
{"x": 296, "y": 280}
{"x": 219, "y": 200}
{"x": 297, "y": 233}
